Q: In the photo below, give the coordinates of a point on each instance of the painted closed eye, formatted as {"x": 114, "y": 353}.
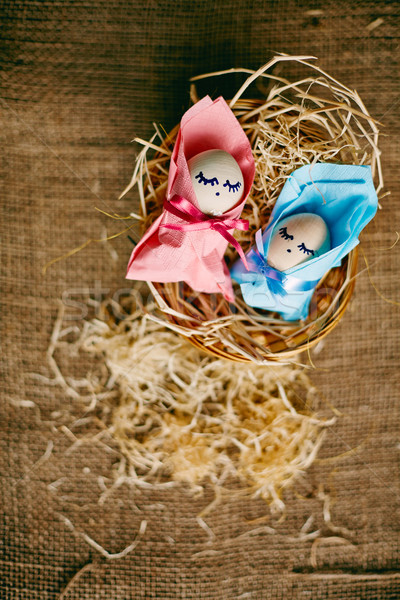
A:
{"x": 305, "y": 250}
{"x": 232, "y": 187}
{"x": 204, "y": 180}
{"x": 283, "y": 233}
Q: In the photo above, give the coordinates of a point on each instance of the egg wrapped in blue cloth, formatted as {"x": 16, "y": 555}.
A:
{"x": 315, "y": 223}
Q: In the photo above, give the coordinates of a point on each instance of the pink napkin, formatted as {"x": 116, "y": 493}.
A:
{"x": 184, "y": 244}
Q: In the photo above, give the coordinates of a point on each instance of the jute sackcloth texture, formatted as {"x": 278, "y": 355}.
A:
{"x": 79, "y": 81}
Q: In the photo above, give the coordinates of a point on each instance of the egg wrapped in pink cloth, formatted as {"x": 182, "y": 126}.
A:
{"x": 185, "y": 243}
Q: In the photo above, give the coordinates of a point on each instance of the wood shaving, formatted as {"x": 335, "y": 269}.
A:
{"x": 180, "y": 416}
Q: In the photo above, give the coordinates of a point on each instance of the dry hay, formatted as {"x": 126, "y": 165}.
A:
{"x": 180, "y": 415}
{"x": 316, "y": 119}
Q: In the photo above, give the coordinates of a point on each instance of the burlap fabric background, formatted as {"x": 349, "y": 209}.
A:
{"x": 79, "y": 81}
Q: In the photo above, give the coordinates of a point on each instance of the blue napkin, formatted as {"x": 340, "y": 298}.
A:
{"x": 344, "y": 196}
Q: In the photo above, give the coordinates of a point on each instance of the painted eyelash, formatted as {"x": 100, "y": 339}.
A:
{"x": 305, "y": 250}
{"x": 232, "y": 187}
{"x": 283, "y": 233}
{"x": 204, "y": 180}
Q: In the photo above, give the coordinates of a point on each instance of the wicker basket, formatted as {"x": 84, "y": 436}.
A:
{"x": 314, "y": 119}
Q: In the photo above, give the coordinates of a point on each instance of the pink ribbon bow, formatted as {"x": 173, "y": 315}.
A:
{"x": 198, "y": 221}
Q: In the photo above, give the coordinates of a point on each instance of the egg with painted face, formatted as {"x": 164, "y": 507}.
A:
{"x": 217, "y": 181}
{"x": 297, "y": 239}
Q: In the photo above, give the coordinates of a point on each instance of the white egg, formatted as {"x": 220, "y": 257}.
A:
{"x": 297, "y": 239}
{"x": 217, "y": 181}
